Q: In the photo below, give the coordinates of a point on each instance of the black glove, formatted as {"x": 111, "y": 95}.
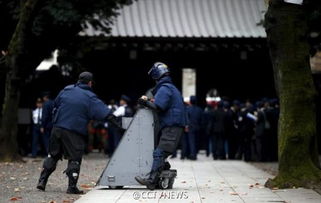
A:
{"x": 147, "y": 104}
{"x": 142, "y": 102}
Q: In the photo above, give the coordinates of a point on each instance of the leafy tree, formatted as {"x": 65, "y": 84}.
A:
{"x": 33, "y": 29}
{"x": 293, "y": 33}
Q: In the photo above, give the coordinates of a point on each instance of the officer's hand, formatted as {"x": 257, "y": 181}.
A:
{"x": 142, "y": 101}
{"x": 42, "y": 130}
{"x": 144, "y": 97}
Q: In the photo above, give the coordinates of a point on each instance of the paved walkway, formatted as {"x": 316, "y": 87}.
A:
{"x": 210, "y": 181}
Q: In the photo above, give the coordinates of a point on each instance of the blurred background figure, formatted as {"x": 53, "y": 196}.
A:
{"x": 46, "y": 120}
{"x": 36, "y": 133}
{"x": 124, "y": 110}
{"x": 218, "y": 130}
{"x": 233, "y": 129}
{"x": 195, "y": 114}
{"x": 246, "y": 123}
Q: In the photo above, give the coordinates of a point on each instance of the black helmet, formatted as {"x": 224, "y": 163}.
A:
{"x": 158, "y": 70}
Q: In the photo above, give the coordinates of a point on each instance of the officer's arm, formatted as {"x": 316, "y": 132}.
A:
{"x": 148, "y": 104}
{"x": 97, "y": 109}
{"x": 163, "y": 98}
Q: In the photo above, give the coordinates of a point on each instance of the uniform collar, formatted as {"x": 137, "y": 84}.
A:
{"x": 160, "y": 82}
{"x": 83, "y": 86}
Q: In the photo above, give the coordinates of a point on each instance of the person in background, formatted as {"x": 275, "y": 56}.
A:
{"x": 110, "y": 147}
{"x": 46, "y": 121}
{"x": 218, "y": 129}
{"x": 206, "y": 125}
{"x": 233, "y": 134}
{"x": 260, "y": 132}
{"x": 195, "y": 114}
{"x": 124, "y": 110}
{"x": 246, "y": 123}
{"x": 36, "y": 133}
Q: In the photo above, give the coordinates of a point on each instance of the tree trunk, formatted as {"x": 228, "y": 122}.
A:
{"x": 287, "y": 29}
{"x": 17, "y": 61}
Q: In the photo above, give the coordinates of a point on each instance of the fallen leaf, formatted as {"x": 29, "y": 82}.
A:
{"x": 25, "y": 178}
{"x": 203, "y": 197}
{"x": 66, "y": 201}
{"x": 275, "y": 188}
{"x": 52, "y": 201}
{"x": 12, "y": 178}
{"x": 17, "y": 189}
{"x": 15, "y": 198}
{"x": 233, "y": 193}
{"x": 86, "y": 186}
{"x": 183, "y": 181}
{"x": 257, "y": 183}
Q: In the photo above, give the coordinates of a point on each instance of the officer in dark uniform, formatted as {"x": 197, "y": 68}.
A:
{"x": 195, "y": 114}
{"x": 124, "y": 110}
{"x": 218, "y": 129}
{"x": 168, "y": 103}
{"x": 73, "y": 108}
{"x": 46, "y": 119}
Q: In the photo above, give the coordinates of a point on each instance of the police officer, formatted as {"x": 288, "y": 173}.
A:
{"x": 124, "y": 110}
{"x": 46, "y": 122}
{"x": 168, "y": 103}
{"x": 195, "y": 114}
{"x": 73, "y": 108}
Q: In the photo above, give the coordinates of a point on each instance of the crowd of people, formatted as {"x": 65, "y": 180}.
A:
{"x": 225, "y": 129}
{"x": 232, "y": 130}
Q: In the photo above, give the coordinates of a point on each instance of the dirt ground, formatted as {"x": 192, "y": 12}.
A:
{"x": 18, "y": 180}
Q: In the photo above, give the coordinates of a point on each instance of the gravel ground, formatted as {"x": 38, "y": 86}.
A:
{"x": 18, "y": 180}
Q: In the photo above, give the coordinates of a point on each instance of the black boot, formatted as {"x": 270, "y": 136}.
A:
{"x": 73, "y": 175}
{"x": 150, "y": 182}
{"x": 45, "y": 173}
{"x": 49, "y": 166}
{"x": 72, "y": 186}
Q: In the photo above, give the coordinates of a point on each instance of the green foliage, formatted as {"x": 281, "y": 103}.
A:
{"x": 57, "y": 22}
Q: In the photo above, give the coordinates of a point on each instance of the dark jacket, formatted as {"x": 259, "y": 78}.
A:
{"x": 170, "y": 102}
{"x": 46, "y": 120}
{"x": 75, "y": 106}
{"x": 219, "y": 119}
{"x": 260, "y": 124}
{"x": 195, "y": 115}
